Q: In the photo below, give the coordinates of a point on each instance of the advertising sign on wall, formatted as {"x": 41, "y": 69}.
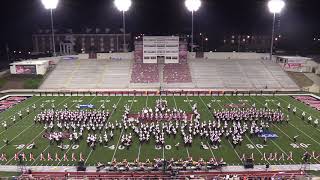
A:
{"x": 26, "y": 69}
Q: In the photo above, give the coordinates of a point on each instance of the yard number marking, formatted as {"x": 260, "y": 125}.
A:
{"x": 259, "y": 146}
{"x": 299, "y": 145}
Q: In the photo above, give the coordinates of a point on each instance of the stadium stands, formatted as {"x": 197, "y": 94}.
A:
{"x": 246, "y": 74}
{"x": 197, "y": 73}
{"x": 177, "y": 73}
{"x": 88, "y": 74}
{"x": 145, "y": 73}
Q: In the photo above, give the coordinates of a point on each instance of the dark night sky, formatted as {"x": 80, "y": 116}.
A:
{"x": 20, "y": 18}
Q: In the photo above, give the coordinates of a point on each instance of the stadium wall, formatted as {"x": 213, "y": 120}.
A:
{"x": 115, "y": 56}
{"x": 234, "y": 55}
{"x": 34, "y": 67}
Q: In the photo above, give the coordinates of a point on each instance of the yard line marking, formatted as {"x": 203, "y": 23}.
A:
{"x": 20, "y": 120}
{"x": 107, "y": 120}
{"x": 163, "y": 152}
{"x": 85, "y": 162}
{"x": 39, "y": 155}
{"x": 57, "y": 106}
{"x": 248, "y": 137}
{"x": 28, "y": 143}
{"x": 272, "y": 124}
{"x": 279, "y": 128}
{"x": 206, "y": 107}
{"x": 297, "y": 102}
{"x": 147, "y": 101}
{"x": 174, "y": 99}
{"x": 35, "y": 137}
{"x": 211, "y": 151}
{"x": 234, "y": 149}
{"x": 139, "y": 152}
{"x": 298, "y": 128}
{"x": 300, "y": 110}
{"x": 140, "y": 142}
{"x": 271, "y": 140}
{"x": 228, "y": 140}
{"x": 74, "y": 143}
{"x": 20, "y": 109}
{"x": 114, "y": 153}
{"x": 282, "y": 150}
{"x": 291, "y": 138}
{"x": 188, "y": 152}
{"x": 20, "y": 132}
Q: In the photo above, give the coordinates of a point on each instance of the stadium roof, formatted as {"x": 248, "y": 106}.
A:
{"x": 30, "y": 62}
{"x": 295, "y": 57}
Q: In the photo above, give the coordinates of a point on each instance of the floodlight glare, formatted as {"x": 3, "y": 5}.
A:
{"x": 123, "y": 5}
{"x": 276, "y": 6}
{"x": 50, "y": 4}
{"x": 193, "y": 5}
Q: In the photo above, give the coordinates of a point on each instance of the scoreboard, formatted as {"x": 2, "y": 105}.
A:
{"x": 161, "y": 48}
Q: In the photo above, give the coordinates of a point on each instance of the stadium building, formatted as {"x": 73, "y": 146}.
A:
{"x": 69, "y": 42}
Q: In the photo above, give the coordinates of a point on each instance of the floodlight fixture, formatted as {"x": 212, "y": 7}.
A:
{"x": 193, "y": 5}
{"x": 50, "y": 4}
{"x": 276, "y": 6}
{"x": 123, "y": 5}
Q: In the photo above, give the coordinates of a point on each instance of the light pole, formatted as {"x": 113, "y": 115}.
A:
{"x": 193, "y": 6}
{"x": 51, "y": 5}
{"x": 123, "y": 6}
{"x": 275, "y": 7}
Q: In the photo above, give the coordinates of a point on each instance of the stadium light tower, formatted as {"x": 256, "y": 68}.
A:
{"x": 51, "y": 5}
{"x": 275, "y": 7}
{"x": 123, "y": 6}
{"x": 193, "y": 6}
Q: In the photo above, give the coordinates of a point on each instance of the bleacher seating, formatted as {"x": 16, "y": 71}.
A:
{"x": 89, "y": 74}
{"x": 177, "y": 73}
{"x": 197, "y": 73}
{"x": 241, "y": 74}
{"x": 145, "y": 73}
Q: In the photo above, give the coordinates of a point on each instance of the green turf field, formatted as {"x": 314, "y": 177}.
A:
{"x": 24, "y": 132}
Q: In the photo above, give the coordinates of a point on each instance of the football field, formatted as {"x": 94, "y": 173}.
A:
{"x": 24, "y": 132}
